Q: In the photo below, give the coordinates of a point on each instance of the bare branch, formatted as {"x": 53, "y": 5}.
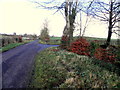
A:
{"x": 114, "y": 31}
{"x": 103, "y": 5}
{"x": 116, "y": 15}
{"x": 86, "y": 24}
{"x": 116, "y": 27}
{"x": 90, "y": 4}
{"x": 117, "y": 5}
{"x": 101, "y": 17}
{"x": 53, "y": 7}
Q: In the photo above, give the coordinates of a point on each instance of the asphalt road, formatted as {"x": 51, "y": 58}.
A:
{"x": 17, "y": 64}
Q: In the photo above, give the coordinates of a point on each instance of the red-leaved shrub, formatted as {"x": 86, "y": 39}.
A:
{"x": 80, "y": 46}
{"x": 64, "y": 38}
{"x": 64, "y": 42}
{"x": 46, "y": 39}
{"x": 106, "y": 55}
{"x": 20, "y": 39}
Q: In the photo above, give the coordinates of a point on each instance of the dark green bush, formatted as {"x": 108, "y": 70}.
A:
{"x": 93, "y": 46}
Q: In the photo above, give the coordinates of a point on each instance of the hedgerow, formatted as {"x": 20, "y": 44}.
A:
{"x": 5, "y": 40}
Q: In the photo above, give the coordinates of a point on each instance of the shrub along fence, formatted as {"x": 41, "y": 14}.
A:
{"x": 5, "y": 40}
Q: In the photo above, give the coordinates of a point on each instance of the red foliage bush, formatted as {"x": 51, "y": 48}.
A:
{"x": 103, "y": 54}
{"x": 80, "y": 46}
{"x": 64, "y": 38}
{"x": 47, "y": 39}
{"x": 20, "y": 39}
{"x": 64, "y": 41}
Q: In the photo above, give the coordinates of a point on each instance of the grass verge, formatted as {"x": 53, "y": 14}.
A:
{"x": 13, "y": 45}
{"x": 51, "y": 42}
{"x": 62, "y": 69}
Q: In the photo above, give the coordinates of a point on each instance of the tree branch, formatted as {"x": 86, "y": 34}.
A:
{"x": 115, "y": 33}
{"x": 53, "y": 7}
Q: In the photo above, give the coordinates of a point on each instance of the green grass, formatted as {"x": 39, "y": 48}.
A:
{"x": 13, "y": 45}
{"x": 54, "y": 42}
{"x": 9, "y": 46}
{"x": 51, "y": 42}
{"x": 64, "y": 69}
{"x": 55, "y": 38}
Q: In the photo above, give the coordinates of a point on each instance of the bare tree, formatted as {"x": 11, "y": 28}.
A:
{"x": 70, "y": 15}
{"x": 72, "y": 8}
{"x": 88, "y": 19}
{"x": 69, "y": 8}
{"x": 82, "y": 23}
{"x": 109, "y": 13}
{"x": 44, "y": 35}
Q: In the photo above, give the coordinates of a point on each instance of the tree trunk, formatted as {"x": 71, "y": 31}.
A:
{"x": 109, "y": 37}
{"x": 71, "y": 34}
{"x": 67, "y": 26}
{"x": 110, "y": 26}
{"x": 72, "y": 17}
{"x": 70, "y": 14}
{"x": 80, "y": 23}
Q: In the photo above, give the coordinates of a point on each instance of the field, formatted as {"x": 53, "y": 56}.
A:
{"x": 102, "y": 40}
{"x": 52, "y": 41}
{"x": 56, "y": 40}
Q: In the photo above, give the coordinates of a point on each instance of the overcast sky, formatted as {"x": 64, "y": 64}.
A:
{"x": 22, "y": 16}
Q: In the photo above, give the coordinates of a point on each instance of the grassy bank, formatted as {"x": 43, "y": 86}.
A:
{"x": 51, "y": 42}
{"x": 61, "y": 69}
{"x": 13, "y": 45}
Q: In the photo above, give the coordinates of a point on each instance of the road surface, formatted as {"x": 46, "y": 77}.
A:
{"x": 17, "y": 64}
